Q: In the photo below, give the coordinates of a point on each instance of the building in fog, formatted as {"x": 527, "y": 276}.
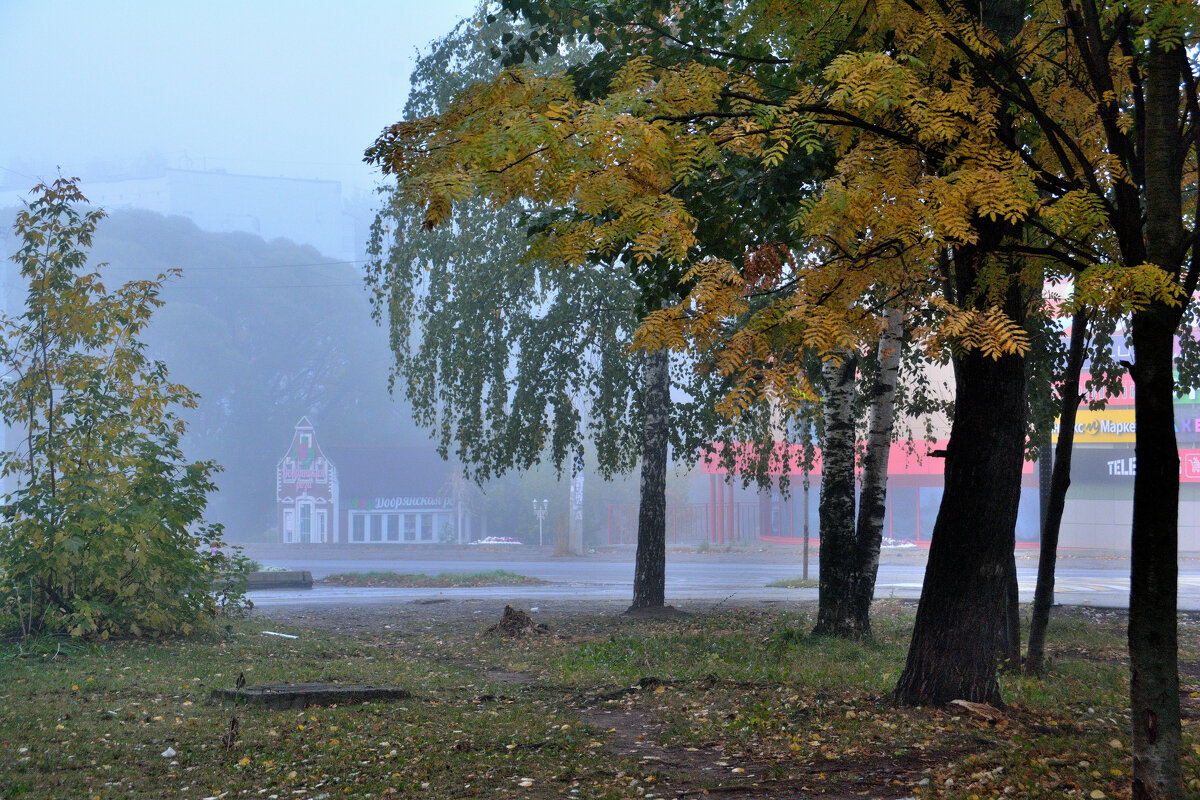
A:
{"x": 1099, "y": 503}
{"x": 306, "y": 211}
{"x": 401, "y": 495}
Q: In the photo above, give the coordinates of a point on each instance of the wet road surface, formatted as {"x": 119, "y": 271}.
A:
{"x": 1094, "y": 579}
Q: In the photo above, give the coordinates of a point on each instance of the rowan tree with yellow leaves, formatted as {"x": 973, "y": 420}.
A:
{"x": 981, "y": 149}
{"x": 624, "y": 162}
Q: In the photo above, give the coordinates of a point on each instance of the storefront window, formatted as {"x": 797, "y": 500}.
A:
{"x": 393, "y": 527}
{"x": 427, "y": 527}
{"x": 410, "y": 527}
{"x": 929, "y": 503}
{"x": 377, "y": 527}
{"x": 903, "y": 514}
{"x": 358, "y": 525}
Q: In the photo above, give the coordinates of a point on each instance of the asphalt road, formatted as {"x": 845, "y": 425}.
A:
{"x": 1096, "y": 579}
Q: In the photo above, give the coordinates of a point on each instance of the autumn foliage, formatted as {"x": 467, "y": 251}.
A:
{"x": 103, "y": 532}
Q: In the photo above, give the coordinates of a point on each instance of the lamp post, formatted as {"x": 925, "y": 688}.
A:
{"x": 540, "y": 512}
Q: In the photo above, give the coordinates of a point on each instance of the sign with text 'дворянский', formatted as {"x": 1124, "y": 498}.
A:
{"x": 396, "y": 503}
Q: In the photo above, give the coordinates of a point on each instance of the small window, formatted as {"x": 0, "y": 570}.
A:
{"x": 306, "y": 511}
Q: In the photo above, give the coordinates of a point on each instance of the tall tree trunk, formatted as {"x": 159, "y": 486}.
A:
{"x": 835, "y": 615}
{"x": 1060, "y": 481}
{"x": 1153, "y": 634}
{"x": 952, "y": 654}
{"x": 1154, "y": 562}
{"x": 650, "y": 567}
{"x": 872, "y": 504}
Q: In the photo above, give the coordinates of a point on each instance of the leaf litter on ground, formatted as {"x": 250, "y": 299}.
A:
{"x": 738, "y": 699}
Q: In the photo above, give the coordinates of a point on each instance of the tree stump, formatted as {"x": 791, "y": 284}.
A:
{"x": 516, "y": 624}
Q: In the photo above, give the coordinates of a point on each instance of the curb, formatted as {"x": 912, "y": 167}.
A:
{"x": 291, "y": 579}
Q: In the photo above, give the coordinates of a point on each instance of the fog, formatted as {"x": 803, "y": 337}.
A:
{"x": 103, "y": 89}
{"x": 225, "y": 139}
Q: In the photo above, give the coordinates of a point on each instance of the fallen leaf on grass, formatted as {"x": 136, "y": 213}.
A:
{"x": 982, "y": 711}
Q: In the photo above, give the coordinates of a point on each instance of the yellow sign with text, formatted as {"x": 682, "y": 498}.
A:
{"x": 1109, "y": 425}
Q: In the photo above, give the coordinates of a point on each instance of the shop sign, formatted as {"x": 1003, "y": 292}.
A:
{"x": 1189, "y": 466}
{"x": 1113, "y": 465}
{"x": 317, "y": 472}
{"x": 1124, "y": 398}
{"x": 1109, "y": 425}
{"x": 1113, "y": 425}
{"x": 1103, "y": 465}
{"x": 392, "y": 503}
{"x": 1127, "y": 393}
{"x": 1121, "y": 349}
{"x": 1187, "y": 426}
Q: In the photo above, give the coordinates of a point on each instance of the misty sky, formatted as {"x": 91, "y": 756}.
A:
{"x": 294, "y": 89}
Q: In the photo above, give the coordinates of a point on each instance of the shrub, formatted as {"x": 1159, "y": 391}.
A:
{"x": 104, "y": 533}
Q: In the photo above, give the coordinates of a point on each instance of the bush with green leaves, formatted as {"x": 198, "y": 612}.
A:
{"x": 104, "y": 531}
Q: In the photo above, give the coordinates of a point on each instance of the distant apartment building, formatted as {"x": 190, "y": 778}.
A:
{"x": 306, "y": 211}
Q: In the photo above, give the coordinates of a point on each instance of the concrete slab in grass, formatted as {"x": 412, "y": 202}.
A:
{"x": 289, "y": 579}
{"x": 301, "y": 695}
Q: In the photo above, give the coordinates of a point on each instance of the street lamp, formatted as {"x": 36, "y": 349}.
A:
{"x": 540, "y": 513}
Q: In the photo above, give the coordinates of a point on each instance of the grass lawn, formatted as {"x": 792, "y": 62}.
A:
{"x": 743, "y": 704}
{"x": 794, "y": 583}
{"x": 445, "y": 580}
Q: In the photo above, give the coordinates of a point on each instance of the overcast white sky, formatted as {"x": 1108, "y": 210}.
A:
{"x": 295, "y": 89}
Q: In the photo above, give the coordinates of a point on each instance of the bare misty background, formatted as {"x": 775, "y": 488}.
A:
{"x": 226, "y": 139}
{"x": 117, "y": 89}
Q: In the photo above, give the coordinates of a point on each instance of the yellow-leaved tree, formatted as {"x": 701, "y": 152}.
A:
{"x": 104, "y": 531}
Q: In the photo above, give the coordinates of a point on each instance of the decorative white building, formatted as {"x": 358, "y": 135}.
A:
{"x": 306, "y": 491}
{"x": 369, "y": 495}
